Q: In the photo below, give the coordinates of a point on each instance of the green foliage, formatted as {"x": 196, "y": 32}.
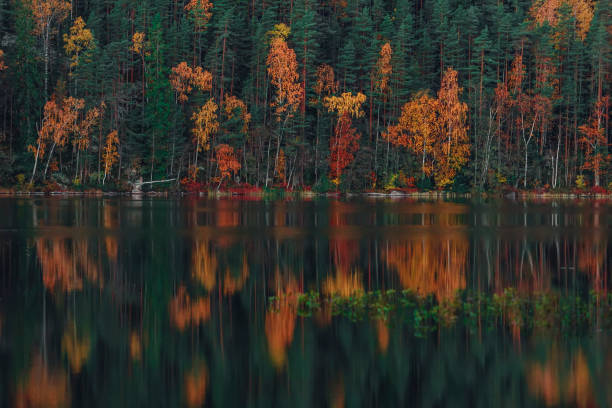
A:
{"x": 550, "y": 311}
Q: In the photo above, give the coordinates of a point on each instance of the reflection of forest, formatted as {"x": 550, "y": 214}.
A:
{"x": 178, "y": 298}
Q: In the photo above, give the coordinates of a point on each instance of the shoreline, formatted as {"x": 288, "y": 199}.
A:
{"x": 394, "y": 194}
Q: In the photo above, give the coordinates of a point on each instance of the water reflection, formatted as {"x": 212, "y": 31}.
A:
{"x": 124, "y": 302}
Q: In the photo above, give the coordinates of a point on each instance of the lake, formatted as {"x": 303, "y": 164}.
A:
{"x": 198, "y": 302}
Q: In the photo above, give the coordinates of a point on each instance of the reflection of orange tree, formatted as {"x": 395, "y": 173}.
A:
{"x": 280, "y": 323}
{"x": 382, "y": 334}
{"x": 195, "y": 385}
{"x": 233, "y": 284}
{"x": 343, "y": 251}
{"x": 204, "y": 264}
{"x": 343, "y": 283}
{"x": 110, "y": 222}
{"x": 76, "y": 348}
{"x": 44, "y": 388}
{"x": 592, "y": 256}
{"x": 337, "y": 398}
{"x": 184, "y": 311}
{"x": 135, "y": 346}
{"x": 548, "y": 382}
{"x": 430, "y": 266}
{"x": 227, "y": 212}
{"x": 61, "y": 263}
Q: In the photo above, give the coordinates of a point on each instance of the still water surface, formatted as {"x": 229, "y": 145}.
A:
{"x": 165, "y": 302}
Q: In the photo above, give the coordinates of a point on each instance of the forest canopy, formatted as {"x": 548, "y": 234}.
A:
{"x": 322, "y": 94}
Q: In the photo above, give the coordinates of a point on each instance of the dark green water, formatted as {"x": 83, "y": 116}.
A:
{"x": 163, "y": 302}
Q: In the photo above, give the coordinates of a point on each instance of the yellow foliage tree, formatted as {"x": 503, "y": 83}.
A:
{"x": 205, "y": 125}
{"x": 111, "y": 152}
{"x": 283, "y": 73}
{"x": 78, "y": 41}
{"x": 281, "y": 31}
{"x": 138, "y": 43}
{"x": 346, "y": 103}
{"x": 454, "y": 139}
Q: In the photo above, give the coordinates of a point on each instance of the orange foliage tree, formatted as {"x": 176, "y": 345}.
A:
{"x": 183, "y": 79}
{"x": 342, "y": 147}
{"x": 547, "y": 11}
{"x": 345, "y": 141}
{"x": 59, "y": 121}
{"x": 436, "y": 130}
{"x": 594, "y": 140}
{"x": 226, "y": 161}
{"x": 417, "y": 129}
{"x": 384, "y": 69}
{"x": 283, "y": 72}
{"x": 111, "y": 153}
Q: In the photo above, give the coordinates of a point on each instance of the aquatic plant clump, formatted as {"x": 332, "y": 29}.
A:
{"x": 518, "y": 312}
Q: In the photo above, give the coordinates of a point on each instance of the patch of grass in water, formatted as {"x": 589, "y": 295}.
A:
{"x": 534, "y": 312}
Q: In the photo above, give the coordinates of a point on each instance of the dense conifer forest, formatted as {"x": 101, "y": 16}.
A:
{"x": 325, "y": 94}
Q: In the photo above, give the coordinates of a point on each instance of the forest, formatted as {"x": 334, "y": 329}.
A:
{"x": 345, "y": 95}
